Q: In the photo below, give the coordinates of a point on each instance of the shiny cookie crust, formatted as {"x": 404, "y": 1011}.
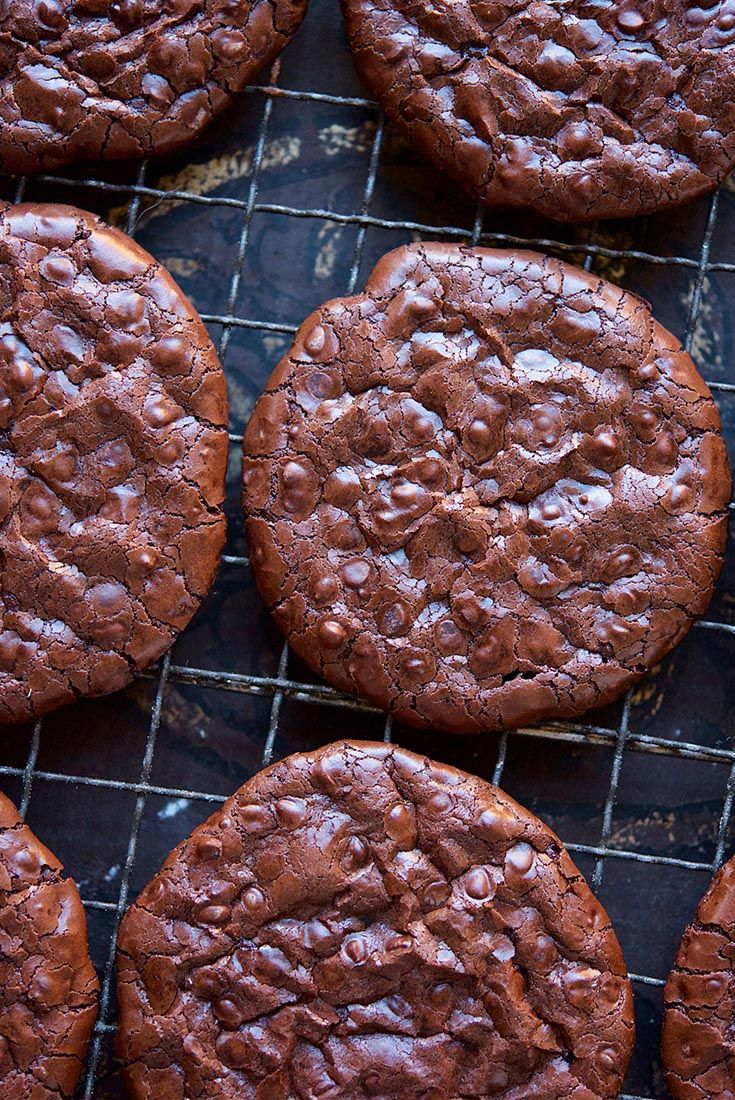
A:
{"x": 488, "y": 491}
{"x": 361, "y": 922}
{"x": 83, "y": 79}
{"x": 698, "y": 1052}
{"x": 578, "y": 110}
{"x": 113, "y": 450}
{"x": 48, "y": 987}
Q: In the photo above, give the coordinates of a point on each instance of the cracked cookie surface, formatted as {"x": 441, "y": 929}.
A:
{"x": 489, "y": 490}
{"x": 48, "y": 987}
{"x": 579, "y": 110}
{"x": 113, "y": 448}
{"x": 361, "y": 922}
{"x": 697, "y": 1048}
{"x": 92, "y": 79}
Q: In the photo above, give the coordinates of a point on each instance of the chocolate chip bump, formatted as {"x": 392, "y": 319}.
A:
{"x": 489, "y": 491}
{"x": 359, "y": 922}
{"x": 113, "y": 447}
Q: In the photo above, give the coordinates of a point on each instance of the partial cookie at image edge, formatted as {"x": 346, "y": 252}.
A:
{"x": 697, "y": 1046}
{"x": 134, "y": 81}
{"x": 577, "y": 114}
{"x": 48, "y": 986}
{"x": 360, "y": 921}
{"x": 113, "y": 413}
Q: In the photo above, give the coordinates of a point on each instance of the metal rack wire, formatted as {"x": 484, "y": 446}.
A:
{"x": 278, "y": 688}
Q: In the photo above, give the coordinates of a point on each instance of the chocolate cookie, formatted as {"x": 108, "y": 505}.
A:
{"x": 48, "y": 987}
{"x": 113, "y": 449}
{"x": 489, "y": 490}
{"x": 126, "y": 79}
{"x": 698, "y": 1047}
{"x": 361, "y": 922}
{"x": 577, "y": 110}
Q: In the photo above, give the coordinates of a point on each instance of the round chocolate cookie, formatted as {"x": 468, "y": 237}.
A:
{"x": 113, "y": 447}
{"x": 489, "y": 490}
{"x": 48, "y": 987}
{"x": 126, "y": 79}
{"x": 360, "y": 922}
{"x": 698, "y": 1044}
{"x": 575, "y": 109}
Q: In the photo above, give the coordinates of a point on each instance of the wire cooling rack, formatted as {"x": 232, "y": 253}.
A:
{"x": 288, "y": 200}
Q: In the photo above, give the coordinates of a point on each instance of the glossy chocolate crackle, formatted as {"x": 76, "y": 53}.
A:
{"x": 113, "y": 447}
{"x": 48, "y": 987}
{"x": 698, "y": 1045}
{"x": 90, "y": 78}
{"x": 488, "y": 491}
{"x": 361, "y": 922}
{"x": 579, "y": 110}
